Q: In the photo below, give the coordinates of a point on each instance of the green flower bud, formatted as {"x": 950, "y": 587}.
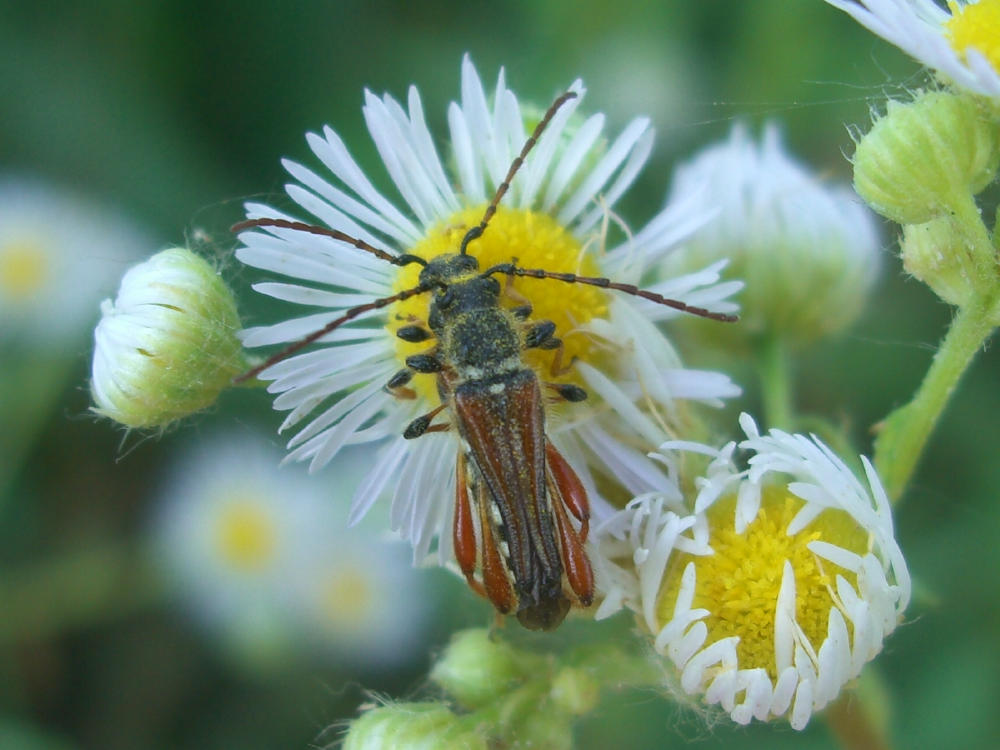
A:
{"x": 415, "y": 726}
{"x": 574, "y": 691}
{"x": 167, "y": 346}
{"x": 919, "y": 155}
{"x": 934, "y": 253}
{"x": 476, "y": 670}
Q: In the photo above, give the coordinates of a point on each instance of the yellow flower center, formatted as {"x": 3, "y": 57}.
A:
{"x": 533, "y": 240}
{"x": 24, "y": 268}
{"x": 347, "y": 597}
{"x": 246, "y": 535}
{"x": 740, "y": 582}
{"x": 976, "y": 25}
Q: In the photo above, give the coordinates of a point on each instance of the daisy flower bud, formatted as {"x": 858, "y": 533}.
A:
{"x": 934, "y": 254}
{"x": 782, "y": 583}
{"x": 476, "y": 669}
{"x": 807, "y": 250}
{"x": 920, "y": 156}
{"x": 167, "y": 346}
{"x": 417, "y": 726}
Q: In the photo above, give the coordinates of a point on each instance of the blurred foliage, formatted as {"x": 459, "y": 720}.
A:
{"x": 175, "y": 112}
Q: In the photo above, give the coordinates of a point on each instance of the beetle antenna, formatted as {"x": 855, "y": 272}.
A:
{"x": 332, "y": 326}
{"x": 571, "y": 278}
{"x": 396, "y": 260}
{"x": 477, "y": 230}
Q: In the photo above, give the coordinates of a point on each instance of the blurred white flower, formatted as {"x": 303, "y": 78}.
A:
{"x": 60, "y": 254}
{"x": 780, "y": 584}
{"x": 265, "y": 558}
{"x": 961, "y": 43}
{"x": 807, "y": 251}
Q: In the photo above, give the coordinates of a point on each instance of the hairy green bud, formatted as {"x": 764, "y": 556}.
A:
{"x": 167, "y": 346}
{"x": 917, "y": 157}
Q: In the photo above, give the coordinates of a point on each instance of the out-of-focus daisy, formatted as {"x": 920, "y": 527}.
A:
{"x": 807, "y": 250}
{"x": 264, "y": 557}
{"x": 59, "y": 255}
{"x": 556, "y": 216}
{"x": 781, "y": 583}
{"x": 961, "y": 43}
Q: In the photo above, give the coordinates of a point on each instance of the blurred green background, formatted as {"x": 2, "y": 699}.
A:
{"x": 174, "y": 112}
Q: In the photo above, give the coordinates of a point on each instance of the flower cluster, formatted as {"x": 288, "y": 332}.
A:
{"x": 265, "y": 559}
{"x": 764, "y": 587}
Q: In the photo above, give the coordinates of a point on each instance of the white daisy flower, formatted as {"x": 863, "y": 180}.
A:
{"x": 263, "y": 557}
{"x": 779, "y": 586}
{"x": 962, "y": 43}
{"x": 59, "y": 255}
{"x": 807, "y": 250}
{"x": 555, "y": 216}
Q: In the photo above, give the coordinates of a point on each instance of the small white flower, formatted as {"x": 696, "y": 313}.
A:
{"x": 779, "y": 586}
{"x": 963, "y": 45}
{"x": 555, "y": 216}
{"x": 807, "y": 251}
{"x": 264, "y": 557}
{"x": 59, "y": 255}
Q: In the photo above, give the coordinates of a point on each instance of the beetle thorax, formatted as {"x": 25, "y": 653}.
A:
{"x": 478, "y": 338}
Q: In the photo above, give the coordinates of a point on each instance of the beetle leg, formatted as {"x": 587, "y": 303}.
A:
{"x": 557, "y": 367}
{"x": 568, "y": 391}
{"x": 495, "y": 579}
{"x": 570, "y": 488}
{"x": 463, "y": 532}
{"x": 574, "y": 557}
{"x": 422, "y": 424}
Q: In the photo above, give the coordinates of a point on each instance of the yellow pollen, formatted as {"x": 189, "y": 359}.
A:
{"x": 533, "y": 240}
{"x": 976, "y": 25}
{"x": 24, "y": 268}
{"x": 246, "y": 535}
{"x": 739, "y": 584}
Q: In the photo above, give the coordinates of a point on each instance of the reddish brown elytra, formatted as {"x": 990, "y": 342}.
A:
{"x": 521, "y": 512}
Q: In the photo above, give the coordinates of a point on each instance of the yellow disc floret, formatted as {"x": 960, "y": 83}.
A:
{"x": 976, "y": 26}
{"x": 532, "y": 240}
{"x": 246, "y": 535}
{"x": 740, "y": 582}
{"x": 24, "y": 269}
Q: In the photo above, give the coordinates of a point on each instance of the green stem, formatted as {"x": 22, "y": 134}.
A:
{"x": 975, "y": 238}
{"x": 776, "y": 383}
{"x": 80, "y": 588}
{"x": 905, "y": 432}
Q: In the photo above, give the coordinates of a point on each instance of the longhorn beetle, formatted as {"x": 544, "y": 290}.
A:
{"x": 513, "y": 536}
